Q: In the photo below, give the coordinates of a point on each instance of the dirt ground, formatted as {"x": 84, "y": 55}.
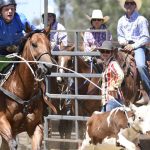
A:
{"x": 25, "y": 144}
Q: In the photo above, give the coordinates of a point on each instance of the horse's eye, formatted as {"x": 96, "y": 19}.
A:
{"x": 34, "y": 45}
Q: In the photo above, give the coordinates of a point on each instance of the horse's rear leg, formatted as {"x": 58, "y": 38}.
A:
{"x": 8, "y": 142}
{"x": 37, "y": 137}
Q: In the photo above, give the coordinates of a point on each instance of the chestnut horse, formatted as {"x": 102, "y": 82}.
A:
{"x": 22, "y": 97}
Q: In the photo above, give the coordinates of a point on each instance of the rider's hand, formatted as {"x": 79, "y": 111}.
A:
{"x": 12, "y": 48}
{"x": 93, "y": 48}
{"x": 128, "y": 47}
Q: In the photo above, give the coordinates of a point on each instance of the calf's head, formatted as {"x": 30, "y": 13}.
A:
{"x": 142, "y": 118}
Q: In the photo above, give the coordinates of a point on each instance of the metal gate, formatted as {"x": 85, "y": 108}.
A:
{"x": 76, "y": 97}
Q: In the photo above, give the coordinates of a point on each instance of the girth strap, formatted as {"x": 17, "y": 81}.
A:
{"x": 18, "y": 99}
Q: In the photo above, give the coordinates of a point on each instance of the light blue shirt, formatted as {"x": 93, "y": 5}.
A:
{"x": 134, "y": 28}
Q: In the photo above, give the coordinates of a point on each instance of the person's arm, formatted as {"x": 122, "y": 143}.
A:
{"x": 62, "y": 36}
{"x": 119, "y": 76}
{"x": 88, "y": 42}
{"x": 143, "y": 26}
{"x": 120, "y": 34}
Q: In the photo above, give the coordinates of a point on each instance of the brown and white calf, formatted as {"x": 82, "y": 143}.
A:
{"x": 124, "y": 126}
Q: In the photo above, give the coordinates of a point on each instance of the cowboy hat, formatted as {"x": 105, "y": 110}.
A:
{"x": 138, "y": 3}
{"x": 49, "y": 11}
{"x": 97, "y": 14}
{"x": 107, "y": 45}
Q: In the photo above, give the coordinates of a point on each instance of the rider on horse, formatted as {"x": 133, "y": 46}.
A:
{"x": 12, "y": 28}
{"x": 133, "y": 34}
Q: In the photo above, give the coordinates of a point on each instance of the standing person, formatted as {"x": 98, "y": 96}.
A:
{"x": 133, "y": 34}
{"x": 112, "y": 78}
{"x": 12, "y": 28}
{"x": 58, "y": 39}
{"x": 93, "y": 40}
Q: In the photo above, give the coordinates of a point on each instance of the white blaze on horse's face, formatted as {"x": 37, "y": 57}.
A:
{"x": 142, "y": 118}
{"x": 62, "y": 64}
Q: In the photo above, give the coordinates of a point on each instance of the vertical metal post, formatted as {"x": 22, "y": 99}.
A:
{"x": 46, "y": 120}
{"x": 45, "y": 133}
{"x": 45, "y": 12}
{"x": 76, "y": 86}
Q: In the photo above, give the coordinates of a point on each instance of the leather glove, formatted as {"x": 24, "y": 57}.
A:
{"x": 12, "y": 48}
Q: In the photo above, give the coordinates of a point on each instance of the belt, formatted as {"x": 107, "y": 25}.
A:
{"x": 113, "y": 93}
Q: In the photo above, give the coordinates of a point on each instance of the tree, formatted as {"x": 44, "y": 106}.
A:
{"x": 77, "y": 19}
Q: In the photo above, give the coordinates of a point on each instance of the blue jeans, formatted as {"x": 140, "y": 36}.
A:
{"x": 111, "y": 105}
{"x": 140, "y": 60}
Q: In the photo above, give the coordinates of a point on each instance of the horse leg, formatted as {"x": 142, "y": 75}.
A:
{"x": 8, "y": 142}
{"x": 65, "y": 129}
{"x": 4, "y": 144}
{"x": 37, "y": 137}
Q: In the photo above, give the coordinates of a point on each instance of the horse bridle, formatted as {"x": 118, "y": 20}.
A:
{"x": 38, "y": 58}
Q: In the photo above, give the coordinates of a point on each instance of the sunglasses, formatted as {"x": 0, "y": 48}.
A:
{"x": 130, "y": 3}
{"x": 50, "y": 15}
{"x": 97, "y": 19}
{"x": 105, "y": 51}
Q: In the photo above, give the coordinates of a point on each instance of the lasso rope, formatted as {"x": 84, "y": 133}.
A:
{"x": 49, "y": 63}
{"x": 43, "y": 62}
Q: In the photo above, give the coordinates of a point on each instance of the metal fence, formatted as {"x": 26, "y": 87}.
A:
{"x": 75, "y": 96}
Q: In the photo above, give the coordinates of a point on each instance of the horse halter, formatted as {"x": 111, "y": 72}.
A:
{"x": 38, "y": 68}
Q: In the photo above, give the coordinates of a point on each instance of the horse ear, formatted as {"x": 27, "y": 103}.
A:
{"x": 27, "y": 28}
{"x": 47, "y": 30}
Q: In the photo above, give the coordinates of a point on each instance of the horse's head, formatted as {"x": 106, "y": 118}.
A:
{"x": 37, "y": 48}
{"x": 65, "y": 61}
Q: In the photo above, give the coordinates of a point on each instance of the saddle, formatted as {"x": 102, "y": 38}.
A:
{"x": 129, "y": 62}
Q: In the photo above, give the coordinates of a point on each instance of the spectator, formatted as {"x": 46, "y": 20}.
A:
{"x": 58, "y": 39}
{"x": 93, "y": 40}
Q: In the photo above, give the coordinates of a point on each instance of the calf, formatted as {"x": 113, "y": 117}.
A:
{"x": 124, "y": 126}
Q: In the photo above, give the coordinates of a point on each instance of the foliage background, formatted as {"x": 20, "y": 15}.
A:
{"x": 72, "y": 12}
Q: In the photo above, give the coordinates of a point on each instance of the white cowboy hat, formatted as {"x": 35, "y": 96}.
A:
{"x": 97, "y": 14}
{"x": 138, "y": 3}
{"x": 50, "y": 10}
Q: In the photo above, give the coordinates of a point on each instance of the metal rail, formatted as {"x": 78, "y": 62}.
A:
{"x": 75, "y": 96}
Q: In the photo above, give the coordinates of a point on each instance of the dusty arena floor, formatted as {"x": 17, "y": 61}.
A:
{"x": 25, "y": 144}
